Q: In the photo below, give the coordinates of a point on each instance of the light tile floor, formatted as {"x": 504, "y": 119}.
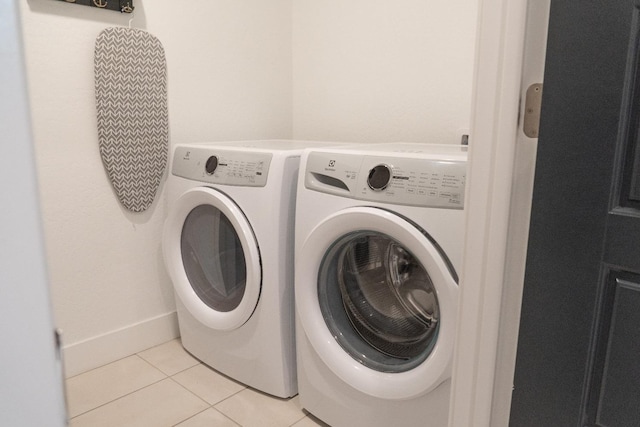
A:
{"x": 166, "y": 386}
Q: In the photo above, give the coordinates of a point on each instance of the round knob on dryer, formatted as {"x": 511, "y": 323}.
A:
{"x": 211, "y": 165}
{"x": 379, "y": 177}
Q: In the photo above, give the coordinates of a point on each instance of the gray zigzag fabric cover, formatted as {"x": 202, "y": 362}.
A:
{"x": 133, "y": 124}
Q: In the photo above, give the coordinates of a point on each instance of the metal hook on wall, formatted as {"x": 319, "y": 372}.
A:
{"x": 123, "y": 6}
{"x": 127, "y": 8}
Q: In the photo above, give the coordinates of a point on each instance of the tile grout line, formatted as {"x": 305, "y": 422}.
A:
{"x": 210, "y": 406}
{"x": 204, "y": 410}
{"x": 182, "y": 370}
{"x": 189, "y": 417}
{"x": 121, "y": 397}
{"x": 145, "y": 361}
{"x": 166, "y": 376}
{"x": 152, "y": 365}
{"x": 298, "y": 420}
{"x": 190, "y": 392}
{"x": 198, "y": 361}
{"x": 228, "y": 397}
{"x": 101, "y": 366}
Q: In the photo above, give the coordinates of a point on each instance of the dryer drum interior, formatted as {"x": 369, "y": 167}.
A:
{"x": 213, "y": 258}
{"x": 378, "y": 301}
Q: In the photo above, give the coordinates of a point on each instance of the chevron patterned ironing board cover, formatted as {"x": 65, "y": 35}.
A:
{"x": 133, "y": 123}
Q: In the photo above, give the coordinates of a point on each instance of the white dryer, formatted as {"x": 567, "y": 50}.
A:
{"x": 379, "y": 241}
{"x": 228, "y": 248}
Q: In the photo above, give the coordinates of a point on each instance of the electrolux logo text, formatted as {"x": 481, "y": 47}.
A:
{"x": 331, "y": 166}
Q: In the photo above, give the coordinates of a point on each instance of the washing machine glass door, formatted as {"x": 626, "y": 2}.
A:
{"x": 213, "y": 258}
{"x": 381, "y": 310}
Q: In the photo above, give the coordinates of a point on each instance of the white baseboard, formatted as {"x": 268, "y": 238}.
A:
{"x": 98, "y": 351}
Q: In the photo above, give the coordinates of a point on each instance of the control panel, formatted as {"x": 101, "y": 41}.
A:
{"x": 221, "y": 166}
{"x": 419, "y": 181}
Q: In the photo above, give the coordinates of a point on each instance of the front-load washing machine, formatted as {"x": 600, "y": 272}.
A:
{"x": 379, "y": 241}
{"x": 228, "y": 248}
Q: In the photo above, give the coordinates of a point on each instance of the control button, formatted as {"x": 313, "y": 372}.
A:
{"x": 211, "y": 165}
{"x": 379, "y": 177}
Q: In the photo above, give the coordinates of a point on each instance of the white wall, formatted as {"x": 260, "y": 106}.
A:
{"x": 383, "y": 70}
{"x": 229, "y": 77}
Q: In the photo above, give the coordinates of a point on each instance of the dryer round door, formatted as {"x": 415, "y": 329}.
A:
{"x": 213, "y": 258}
{"x": 378, "y": 302}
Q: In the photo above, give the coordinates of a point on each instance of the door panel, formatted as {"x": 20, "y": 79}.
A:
{"x": 614, "y": 400}
{"x": 579, "y": 339}
{"x": 629, "y": 176}
{"x": 623, "y": 237}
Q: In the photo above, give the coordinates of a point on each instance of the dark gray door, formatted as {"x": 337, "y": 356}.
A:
{"x": 578, "y": 360}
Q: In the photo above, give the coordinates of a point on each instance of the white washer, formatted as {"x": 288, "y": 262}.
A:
{"x": 379, "y": 239}
{"x": 228, "y": 248}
